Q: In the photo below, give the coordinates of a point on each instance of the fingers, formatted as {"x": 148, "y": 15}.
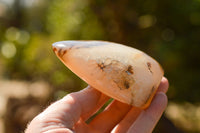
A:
{"x": 68, "y": 110}
{"x": 102, "y": 100}
{"x": 83, "y": 104}
{"x": 147, "y": 120}
{"x": 106, "y": 120}
{"x": 133, "y": 114}
{"x": 127, "y": 121}
{"x": 164, "y": 84}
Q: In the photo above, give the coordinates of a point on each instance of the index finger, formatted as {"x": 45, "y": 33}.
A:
{"x": 148, "y": 118}
{"x": 164, "y": 85}
{"x": 69, "y": 109}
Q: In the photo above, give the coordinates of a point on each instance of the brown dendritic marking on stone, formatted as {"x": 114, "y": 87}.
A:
{"x": 117, "y": 72}
{"x": 61, "y": 52}
{"x": 126, "y": 84}
{"x": 130, "y": 71}
{"x": 149, "y": 67}
{"x": 54, "y": 49}
{"x": 64, "y": 52}
{"x": 121, "y": 74}
{"x": 101, "y": 66}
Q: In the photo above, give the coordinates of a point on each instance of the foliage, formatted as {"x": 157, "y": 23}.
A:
{"x": 168, "y": 30}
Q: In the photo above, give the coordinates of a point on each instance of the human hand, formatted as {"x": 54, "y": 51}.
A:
{"x": 69, "y": 114}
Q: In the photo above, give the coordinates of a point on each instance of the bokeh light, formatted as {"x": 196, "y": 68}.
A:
{"x": 12, "y": 34}
{"x": 146, "y": 21}
{"x": 8, "y": 50}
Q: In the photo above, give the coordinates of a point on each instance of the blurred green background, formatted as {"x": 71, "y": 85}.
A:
{"x": 168, "y": 30}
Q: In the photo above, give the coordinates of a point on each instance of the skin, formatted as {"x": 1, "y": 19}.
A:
{"x": 69, "y": 114}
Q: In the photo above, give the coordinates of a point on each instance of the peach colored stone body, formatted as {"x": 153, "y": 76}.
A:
{"x": 121, "y": 72}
